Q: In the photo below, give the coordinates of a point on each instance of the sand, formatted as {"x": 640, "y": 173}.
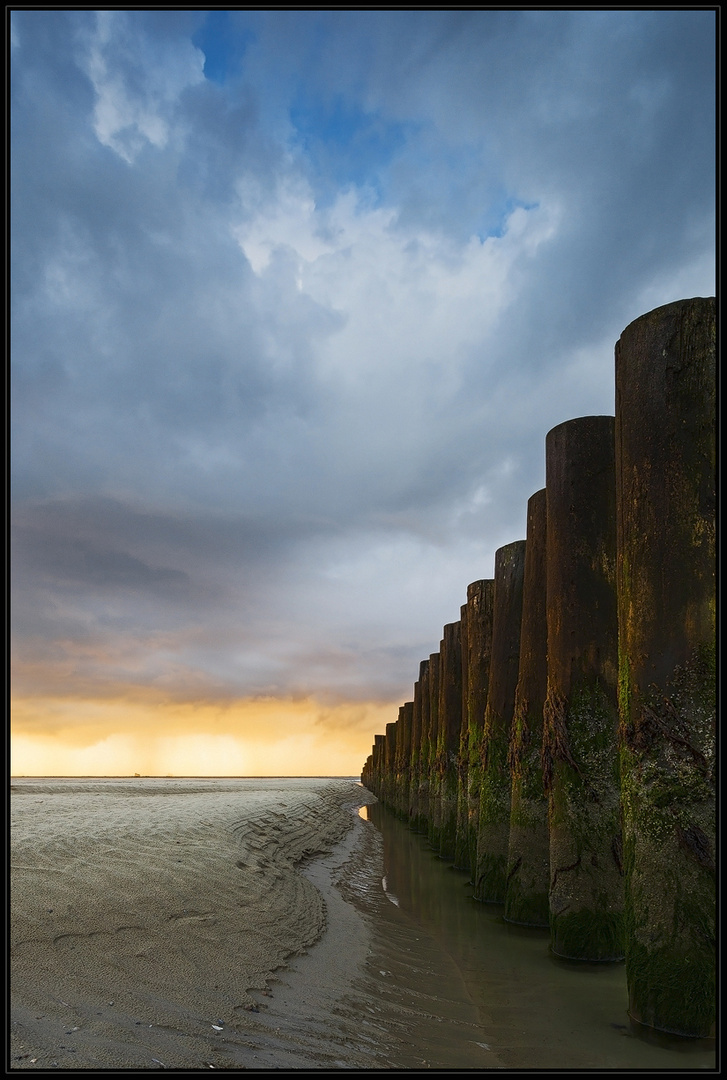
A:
{"x": 267, "y": 924}
{"x": 219, "y": 923}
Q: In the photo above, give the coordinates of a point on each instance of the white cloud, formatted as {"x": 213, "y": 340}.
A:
{"x": 415, "y": 303}
{"x": 137, "y": 81}
{"x": 288, "y": 221}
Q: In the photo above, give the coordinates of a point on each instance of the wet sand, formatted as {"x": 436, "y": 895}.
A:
{"x": 156, "y": 924}
{"x": 197, "y": 924}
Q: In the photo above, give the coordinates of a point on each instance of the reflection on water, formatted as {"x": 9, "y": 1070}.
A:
{"x": 388, "y": 893}
{"x": 554, "y": 1014}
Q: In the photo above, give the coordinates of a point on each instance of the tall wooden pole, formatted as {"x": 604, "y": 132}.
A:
{"x": 580, "y": 741}
{"x": 666, "y": 462}
{"x": 528, "y": 865}
{"x": 494, "y": 816}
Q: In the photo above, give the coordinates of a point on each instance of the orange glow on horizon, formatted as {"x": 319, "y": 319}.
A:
{"x": 255, "y": 737}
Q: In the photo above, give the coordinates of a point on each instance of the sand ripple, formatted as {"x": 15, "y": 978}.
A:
{"x": 151, "y": 906}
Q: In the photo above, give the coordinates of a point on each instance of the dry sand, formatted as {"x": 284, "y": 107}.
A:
{"x": 167, "y": 924}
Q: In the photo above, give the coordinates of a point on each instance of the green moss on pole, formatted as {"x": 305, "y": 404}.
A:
{"x": 461, "y": 847}
{"x": 448, "y": 731}
{"x": 435, "y": 807}
{"x": 528, "y": 866}
{"x": 377, "y": 768}
{"x": 666, "y": 461}
{"x": 493, "y": 832}
{"x": 415, "y": 813}
{"x": 424, "y": 748}
{"x": 580, "y": 737}
{"x": 389, "y": 780}
{"x": 403, "y": 758}
{"x": 477, "y": 658}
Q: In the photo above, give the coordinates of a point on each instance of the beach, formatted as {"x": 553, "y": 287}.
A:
{"x": 157, "y": 923}
{"x": 279, "y": 923}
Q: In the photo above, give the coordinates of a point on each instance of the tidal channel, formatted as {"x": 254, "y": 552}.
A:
{"x": 538, "y": 1012}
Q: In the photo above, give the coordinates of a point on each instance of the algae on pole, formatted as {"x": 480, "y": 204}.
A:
{"x": 477, "y": 658}
{"x": 415, "y": 812}
{"x": 580, "y": 730}
{"x": 435, "y": 808}
{"x": 389, "y": 785}
{"x": 461, "y": 848}
{"x": 424, "y": 748}
{"x": 666, "y": 462}
{"x": 403, "y": 758}
{"x": 528, "y": 864}
{"x": 494, "y": 814}
{"x": 378, "y": 765}
{"x": 450, "y": 720}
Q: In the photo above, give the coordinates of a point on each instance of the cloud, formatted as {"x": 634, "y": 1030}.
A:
{"x": 296, "y": 297}
{"x": 137, "y": 79}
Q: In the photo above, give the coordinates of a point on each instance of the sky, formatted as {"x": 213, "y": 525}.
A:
{"x": 295, "y": 297}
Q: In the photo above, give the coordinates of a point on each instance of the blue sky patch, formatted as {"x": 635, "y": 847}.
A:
{"x": 494, "y": 221}
{"x": 345, "y": 143}
{"x": 222, "y": 44}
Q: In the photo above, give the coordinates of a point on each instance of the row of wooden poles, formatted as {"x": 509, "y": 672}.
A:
{"x": 560, "y": 745}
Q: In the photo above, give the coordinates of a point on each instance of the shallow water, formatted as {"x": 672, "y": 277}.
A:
{"x": 543, "y": 1013}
